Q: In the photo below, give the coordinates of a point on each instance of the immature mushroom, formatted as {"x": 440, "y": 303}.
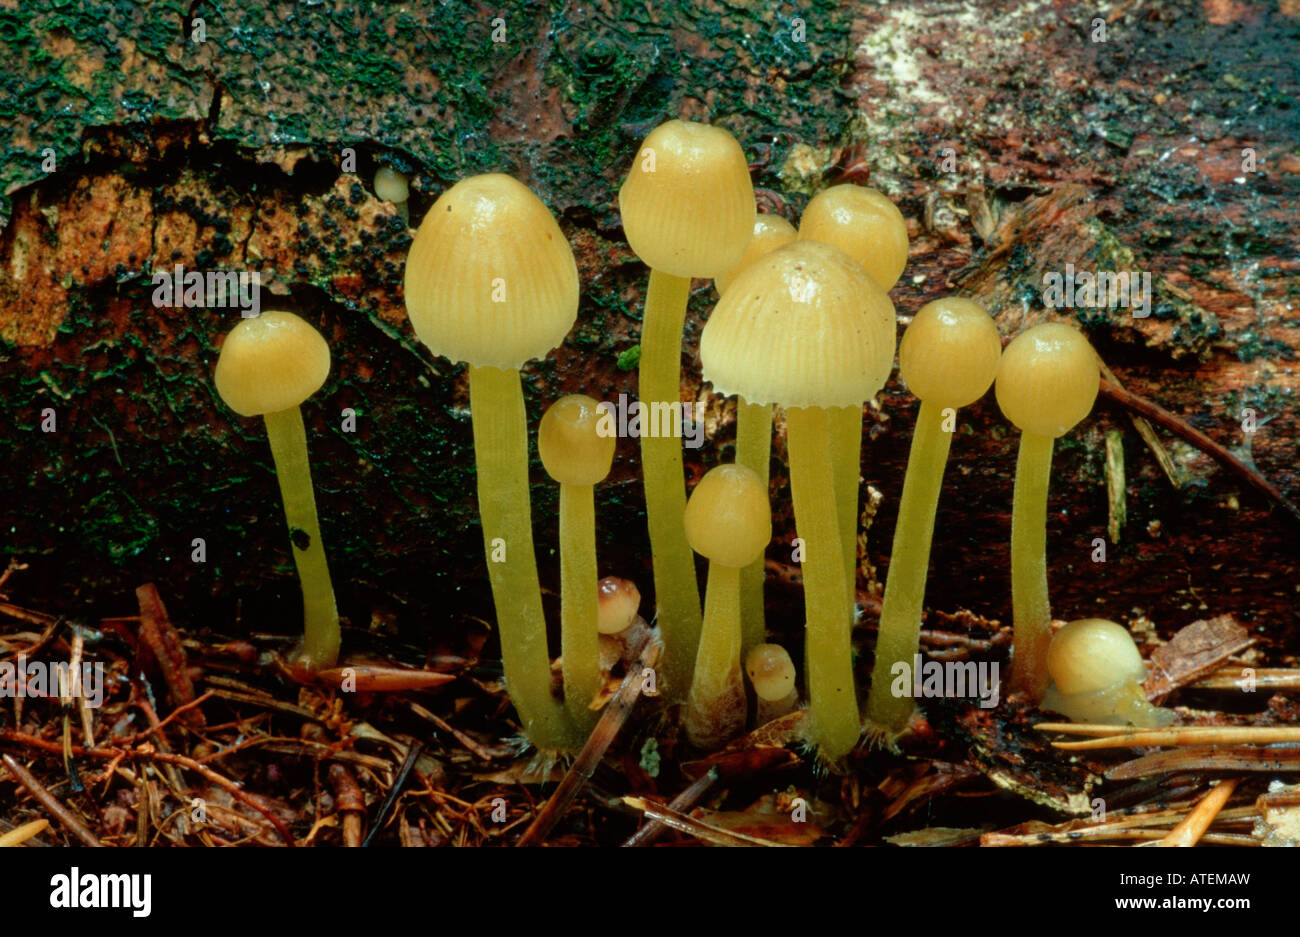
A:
{"x": 688, "y": 211}
{"x": 869, "y": 229}
{"x": 490, "y": 280}
{"x": 948, "y": 358}
{"x": 577, "y": 456}
{"x": 1097, "y": 676}
{"x": 1047, "y": 381}
{"x": 754, "y": 430}
{"x": 771, "y": 674}
{"x": 391, "y": 186}
{"x": 728, "y": 520}
{"x": 622, "y": 630}
{"x": 804, "y": 327}
{"x": 267, "y": 367}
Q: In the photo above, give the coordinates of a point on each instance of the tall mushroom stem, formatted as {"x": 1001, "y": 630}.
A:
{"x": 579, "y": 636}
{"x": 900, "y": 615}
{"x": 833, "y": 705}
{"x": 715, "y": 706}
{"x": 1031, "y": 609}
{"x": 677, "y": 593}
{"x": 754, "y": 451}
{"x": 501, "y": 463}
{"x": 288, "y": 439}
{"x": 846, "y": 468}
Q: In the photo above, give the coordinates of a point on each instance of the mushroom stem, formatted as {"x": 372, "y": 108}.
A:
{"x": 715, "y": 706}
{"x": 846, "y": 467}
{"x": 579, "y": 637}
{"x": 288, "y": 439}
{"x": 501, "y": 464}
{"x": 900, "y": 615}
{"x": 833, "y": 706}
{"x": 1031, "y": 610}
{"x": 754, "y": 451}
{"x": 677, "y": 594}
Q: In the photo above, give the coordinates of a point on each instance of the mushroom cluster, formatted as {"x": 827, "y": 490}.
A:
{"x": 803, "y": 334}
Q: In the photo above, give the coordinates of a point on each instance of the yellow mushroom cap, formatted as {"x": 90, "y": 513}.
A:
{"x": 688, "y": 204}
{"x": 490, "y": 278}
{"x": 271, "y": 363}
{"x": 770, "y": 232}
{"x": 1047, "y": 379}
{"x": 1093, "y": 654}
{"x": 770, "y": 671}
{"x": 617, "y": 605}
{"x": 391, "y": 186}
{"x": 802, "y": 326}
{"x": 728, "y": 517}
{"x": 572, "y": 449}
{"x": 949, "y": 354}
{"x": 864, "y": 224}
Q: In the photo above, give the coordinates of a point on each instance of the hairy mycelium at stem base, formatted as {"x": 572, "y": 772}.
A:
{"x": 688, "y": 211}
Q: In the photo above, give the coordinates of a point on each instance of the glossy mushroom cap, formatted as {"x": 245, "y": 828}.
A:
{"x": 572, "y": 450}
{"x": 770, "y": 232}
{"x": 619, "y": 600}
{"x": 728, "y": 517}
{"x": 1093, "y": 654}
{"x": 802, "y": 326}
{"x": 864, "y": 224}
{"x": 490, "y": 279}
{"x": 949, "y": 354}
{"x": 391, "y": 185}
{"x": 1048, "y": 379}
{"x": 688, "y": 204}
{"x": 271, "y": 363}
{"x": 771, "y": 672}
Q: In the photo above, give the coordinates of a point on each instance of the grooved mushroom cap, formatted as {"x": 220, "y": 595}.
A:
{"x": 770, "y": 232}
{"x": 949, "y": 354}
{"x": 1047, "y": 379}
{"x": 864, "y": 224}
{"x": 728, "y": 517}
{"x": 770, "y": 671}
{"x": 490, "y": 279}
{"x": 570, "y": 443}
{"x": 271, "y": 363}
{"x": 688, "y": 204}
{"x": 1093, "y": 654}
{"x": 802, "y": 326}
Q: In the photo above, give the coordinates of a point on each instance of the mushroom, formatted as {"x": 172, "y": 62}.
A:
{"x": 864, "y": 224}
{"x": 869, "y": 229}
{"x": 754, "y": 431}
{"x": 688, "y": 211}
{"x": 577, "y": 456}
{"x": 728, "y": 521}
{"x": 804, "y": 327}
{"x": 1097, "y": 676}
{"x": 267, "y": 367}
{"x": 391, "y": 186}
{"x": 491, "y": 281}
{"x": 1047, "y": 381}
{"x": 948, "y": 358}
{"x": 771, "y": 674}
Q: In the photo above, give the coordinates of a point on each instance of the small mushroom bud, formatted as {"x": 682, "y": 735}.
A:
{"x": 729, "y": 521}
{"x": 1097, "y": 676}
{"x": 619, "y": 601}
{"x": 390, "y": 185}
{"x": 577, "y": 455}
{"x": 771, "y": 673}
